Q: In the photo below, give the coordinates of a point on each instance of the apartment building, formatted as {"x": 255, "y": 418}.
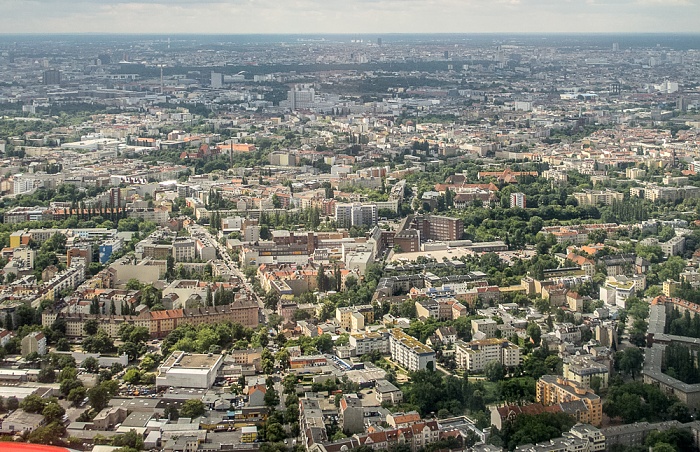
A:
{"x": 486, "y": 328}
{"x": 409, "y": 352}
{"x": 518, "y": 200}
{"x": 434, "y": 227}
{"x": 184, "y": 250}
{"x": 160, "y": 323}
{"x": 358, "y": 215}
{"x": 475, "y": 355}
{"x": 553, "y": 390}
{"x": 366, "y": 342}
{"x": 596, "y": 197}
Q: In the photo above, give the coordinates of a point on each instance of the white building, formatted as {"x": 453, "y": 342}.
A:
{"x": 517, "y": 200}
{"x": 364, "y": 343}
{"x": 409, "y": 352}
{"x": 187, "y": 370}
{"x": 359, "y": 215}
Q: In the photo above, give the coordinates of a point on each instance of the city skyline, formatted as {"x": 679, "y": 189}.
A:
{"x": 359, "y": 16}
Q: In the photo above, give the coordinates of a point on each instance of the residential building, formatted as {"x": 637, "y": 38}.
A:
{"x": 484, "y": 328}
{"x": 517, "y": 200}
{"x": 366, "y": 342}
{"x": 552, "y": 389}
{"x": 409, "y": 352}
{"x": 475, "y": 355}
{"x": 597, "y": 197}
{"x": 34, "y": 342}
{"x": 582, "y": 369}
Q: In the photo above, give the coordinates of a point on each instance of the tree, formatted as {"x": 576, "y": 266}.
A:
{"x": 534, "y": 332}
{"x": 91, "y": 326}
{"x": 48, "y": 434}
{"x": 132, "y": 376}
{"x": 47, "y": 375}
{"x": 133, "y": 284}
{"x": 274, "y": 432}
{"x": 267, "y": 362}
{"x": 171, "y": 413}
{"x": 282, "y": 358}
{"x": 63, "y": 345}
{"x": 192, "y": 408}
{"x": 33, "y": 404}
{"x": 494, "y": 371}
{"x": 12, "y": 403}
{"x": 53, "y": 412}
{"x": 271, "y": 397}
{"x": 77, "y": 395}
{"x": 91, "y": 365}
{"x": 98, "y": 397}
{"x": 130, "y": 439}
{"x": 630, "y": 361}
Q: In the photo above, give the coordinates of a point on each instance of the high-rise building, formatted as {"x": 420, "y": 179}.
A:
{"x": 517, "y": 200}
{"x": 301, "y": 97}
{"x": 52, "y": 77}
{"x": 115, "y": 198}
{"x": 217, "y": 80}
{"x": 358, "y": 215}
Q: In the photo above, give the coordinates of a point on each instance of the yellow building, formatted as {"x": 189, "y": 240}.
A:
{"x": 555, "y": 390}
{"x": 249, "y": 434}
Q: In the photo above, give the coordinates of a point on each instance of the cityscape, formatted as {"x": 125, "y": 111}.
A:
{"x": 350, "y": 242}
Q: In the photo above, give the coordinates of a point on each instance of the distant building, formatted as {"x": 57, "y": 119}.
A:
{"x": 51, "y": 77}
{"x": 517, "y": 200}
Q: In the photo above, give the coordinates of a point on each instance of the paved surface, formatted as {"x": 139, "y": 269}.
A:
{"x": 233, "y": 267}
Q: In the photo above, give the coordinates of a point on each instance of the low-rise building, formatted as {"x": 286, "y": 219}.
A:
{"x": 186, "y": 370}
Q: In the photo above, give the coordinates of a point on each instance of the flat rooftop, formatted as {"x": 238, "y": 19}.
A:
{"x": 190, "y": 360}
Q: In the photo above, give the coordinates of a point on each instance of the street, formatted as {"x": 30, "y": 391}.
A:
{"x": 233, "y": 267}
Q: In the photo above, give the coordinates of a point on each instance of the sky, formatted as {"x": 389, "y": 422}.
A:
{"x": 349, "y": 16}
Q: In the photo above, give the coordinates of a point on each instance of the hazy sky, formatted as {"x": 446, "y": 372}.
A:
{"x": 347, "y": 16}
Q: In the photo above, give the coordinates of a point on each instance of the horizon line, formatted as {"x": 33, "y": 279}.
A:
{"x": 439, "y": 33}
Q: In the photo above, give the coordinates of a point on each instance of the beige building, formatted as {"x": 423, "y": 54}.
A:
{"x": 596, "y": 197}
{"x": 487, "y": 327}
{"x": 553, "y": 390}
{"x": 581, "y": 369}
{"x": 473, "y": 356}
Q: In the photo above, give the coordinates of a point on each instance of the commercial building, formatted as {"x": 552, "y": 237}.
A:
{"x": 186, "y": 370}
{"x": 409, "y": 352}
{"x": 108, "y": 248}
